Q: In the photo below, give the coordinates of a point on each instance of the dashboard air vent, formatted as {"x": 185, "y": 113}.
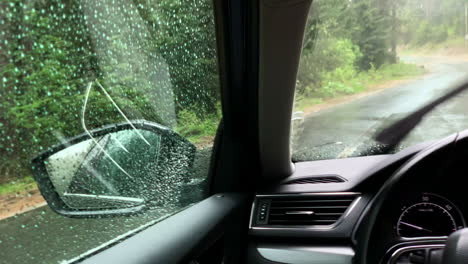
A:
{"x": 317, "y": 179}
{"x": 319, "y": 210}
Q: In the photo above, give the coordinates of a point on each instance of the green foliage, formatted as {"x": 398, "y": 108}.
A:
{"x": 398, "y": 70}
{"x": 426, "y": 33}
{"x": 431, "y": 22}
{"x": 344, "y": 39}
{"x": 197, "y": 130}
{"x": 155, "y": 59}
{"x": 342, "y": 82}
{"x": 387, "y": 72}
{"x": 19, "y": 185}
{"x": 186, "y": 41}
{"x": 351, "y": 45}
{"x": 332, "y": 58}
{"x": 371, "y": 33}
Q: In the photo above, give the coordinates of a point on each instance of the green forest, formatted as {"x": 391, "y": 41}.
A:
{"x": 351, "y": 44}
{"x": 157, "y": 60}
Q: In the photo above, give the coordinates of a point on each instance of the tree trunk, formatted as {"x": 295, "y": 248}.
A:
{"x": 394, "y": 33}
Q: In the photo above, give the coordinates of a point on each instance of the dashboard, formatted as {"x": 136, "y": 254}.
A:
{"x": 414, "y": 222}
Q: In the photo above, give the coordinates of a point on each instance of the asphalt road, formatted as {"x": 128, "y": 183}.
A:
{"x": 41, "y": 236}
{"x": 346, "y": 130}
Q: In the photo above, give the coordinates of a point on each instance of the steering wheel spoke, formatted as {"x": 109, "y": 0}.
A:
{"x": 416, "y": 252}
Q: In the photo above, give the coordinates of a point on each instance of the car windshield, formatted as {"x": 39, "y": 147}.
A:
{"x": 368, "y": 64}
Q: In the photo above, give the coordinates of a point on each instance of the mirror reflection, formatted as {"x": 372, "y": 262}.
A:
{"x": 109, "y": 171}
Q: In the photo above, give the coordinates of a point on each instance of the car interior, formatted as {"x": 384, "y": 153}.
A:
{"x": 266, "y": 209}
{"x": 263, "y": 208}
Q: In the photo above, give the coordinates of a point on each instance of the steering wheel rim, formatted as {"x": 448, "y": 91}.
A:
{"x": 362, "y": 234}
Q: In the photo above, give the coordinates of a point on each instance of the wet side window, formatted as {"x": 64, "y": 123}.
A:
{"x": 115, "y": 104}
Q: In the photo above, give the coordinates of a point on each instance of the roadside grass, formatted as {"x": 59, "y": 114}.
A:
{"x": 358, "y": 83}
{"x": 303, "y": 103}
{"x": 456, "y": 45}
{"x": 19, "y": 185}
{"x": 199, "y": 131}
{"x": 392, "y": 72}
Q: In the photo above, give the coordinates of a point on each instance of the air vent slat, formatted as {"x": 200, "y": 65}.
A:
{"x": 302, "y": 220}
{"x": 316, "y": 214}
{"x": 308, "y": 207}
{"x": 315, "y": 201}
{"x": 311, "y": 210}
{"x": 330, "y": 214}
{"x": 317, "y": 180}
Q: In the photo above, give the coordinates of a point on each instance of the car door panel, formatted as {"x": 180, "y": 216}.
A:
{"x": 180, "y": 238}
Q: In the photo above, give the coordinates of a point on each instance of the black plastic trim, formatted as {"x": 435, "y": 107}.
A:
{"x": 341, "y": 229}
{"x": 178, "y": 239}
{"x": 362, "y": 174}
{"x": 280, "y": 48}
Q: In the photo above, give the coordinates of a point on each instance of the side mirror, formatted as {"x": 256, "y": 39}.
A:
{"x": 117, "y": 169}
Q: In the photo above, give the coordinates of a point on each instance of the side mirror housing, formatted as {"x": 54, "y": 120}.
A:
{"x": 114, "y": 170}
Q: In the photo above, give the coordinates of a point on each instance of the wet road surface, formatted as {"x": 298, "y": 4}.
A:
{"x": 346, "y": 130}
{"x": 41, "y": 236}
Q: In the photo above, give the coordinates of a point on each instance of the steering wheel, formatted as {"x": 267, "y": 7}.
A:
{"x": 365, "y": 236}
